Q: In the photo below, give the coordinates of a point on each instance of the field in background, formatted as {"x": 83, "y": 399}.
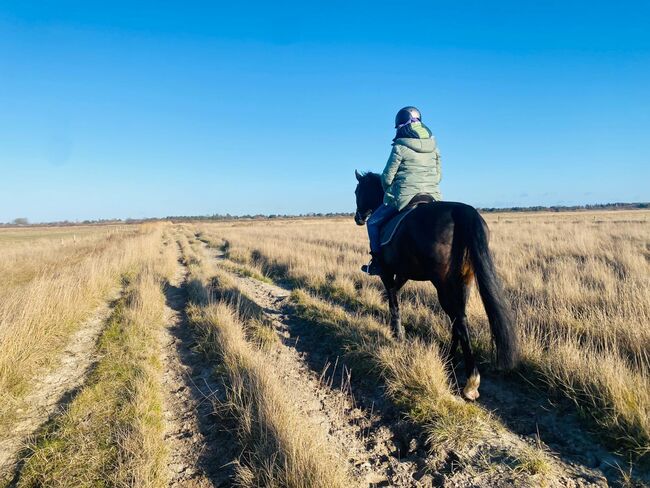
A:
{"x": 578, "y": 283}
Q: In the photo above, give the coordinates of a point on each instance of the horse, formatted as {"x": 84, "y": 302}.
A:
{"x": 445, "y": 243}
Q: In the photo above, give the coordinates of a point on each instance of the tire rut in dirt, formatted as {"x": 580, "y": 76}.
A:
{"x": 202, "y": 452}
{"x": 381, "y": 450}
{"x": 53, "y": 391}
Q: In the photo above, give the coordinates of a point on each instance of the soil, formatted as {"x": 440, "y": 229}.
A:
{"x": 202, "y": 452}
{"x": 324, "y": 397}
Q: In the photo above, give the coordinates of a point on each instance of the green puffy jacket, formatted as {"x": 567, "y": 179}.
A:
{"x": 413, "y": 167}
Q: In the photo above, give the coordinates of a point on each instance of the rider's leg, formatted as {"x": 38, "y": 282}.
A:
{"x": 376, "y": 220}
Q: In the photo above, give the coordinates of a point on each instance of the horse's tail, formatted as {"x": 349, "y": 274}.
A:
{"x": 489, "y": 286}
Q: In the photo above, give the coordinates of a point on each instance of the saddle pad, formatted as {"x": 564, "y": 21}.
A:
{"x": 388, "y": 229}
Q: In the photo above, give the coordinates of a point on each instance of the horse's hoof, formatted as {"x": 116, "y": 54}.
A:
{"x": 470, "y": 392}
{"x": 470, "y": 395}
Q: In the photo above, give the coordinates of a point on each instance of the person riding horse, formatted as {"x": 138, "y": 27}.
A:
{"x": 413, "y": 168}
{"x": 445, "y": 243}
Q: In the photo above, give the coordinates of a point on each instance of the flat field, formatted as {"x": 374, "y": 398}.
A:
{"x": 255, "y": 353}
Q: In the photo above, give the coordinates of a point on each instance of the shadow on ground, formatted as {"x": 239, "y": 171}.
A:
{"x": 218, "y": 456}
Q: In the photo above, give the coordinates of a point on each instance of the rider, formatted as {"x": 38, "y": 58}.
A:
{"x": 413, "y": 167}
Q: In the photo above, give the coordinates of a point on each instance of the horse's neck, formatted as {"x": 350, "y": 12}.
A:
{"x": 379, "y": 192}
{"x": 380, "y": 198}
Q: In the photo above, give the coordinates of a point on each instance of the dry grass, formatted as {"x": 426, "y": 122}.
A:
{"x": 415, "y": 379}
{"x": 280, "y": 448}
{"x": 579, "y": 285}
{"x": 414, "y": 373}
{"x": 37, "y": 317}
{"x": 28, "y": 253}
{"x": 112, "y": 433}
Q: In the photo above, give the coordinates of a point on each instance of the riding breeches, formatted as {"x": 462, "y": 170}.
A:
{"x": 378, "y": 218}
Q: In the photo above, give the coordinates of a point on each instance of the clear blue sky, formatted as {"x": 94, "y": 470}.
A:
{"x": 135, "y": 109}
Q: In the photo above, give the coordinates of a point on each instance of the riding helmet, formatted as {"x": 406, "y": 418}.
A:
{"x": 406, "y": 114}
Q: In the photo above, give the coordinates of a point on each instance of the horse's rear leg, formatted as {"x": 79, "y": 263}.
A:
{"x": 453, "y": 345}
{"x": 453, "y": 299}
{"x": 473, "y": 377}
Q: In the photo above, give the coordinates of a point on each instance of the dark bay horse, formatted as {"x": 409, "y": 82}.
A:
{"x": 445, "y": 243}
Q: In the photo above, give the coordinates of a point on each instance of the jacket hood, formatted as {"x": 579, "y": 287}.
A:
{"x": 417, "y": 145}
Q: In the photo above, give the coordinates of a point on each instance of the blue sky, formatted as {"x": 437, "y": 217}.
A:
{"x": 137, "y": 109}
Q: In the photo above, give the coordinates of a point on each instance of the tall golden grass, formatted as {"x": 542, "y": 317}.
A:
{"x": 38, "y": 316}
{"x": 112, "y": 434}
{"x": 279, "y": 447}
{"x": 579, "y": 285}
{"x": 29, "y": 253}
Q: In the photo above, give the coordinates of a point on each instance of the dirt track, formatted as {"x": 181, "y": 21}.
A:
{"x": 322, "y": 392}
{"x": 201, "y": 452}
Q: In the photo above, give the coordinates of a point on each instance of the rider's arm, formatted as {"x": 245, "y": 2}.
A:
{"x": 438, "y": 167}
{"x": 390, "y": 170}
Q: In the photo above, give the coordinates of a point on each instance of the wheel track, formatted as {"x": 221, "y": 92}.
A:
{"x": 377, "y": 453}
{"x": 201, "y": 452}
{"x": 51, "y": 392}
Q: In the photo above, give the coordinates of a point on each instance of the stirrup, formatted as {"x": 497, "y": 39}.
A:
{"x": 372, "y": 268}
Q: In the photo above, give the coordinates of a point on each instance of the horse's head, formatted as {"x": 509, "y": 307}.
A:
{"x": 369, "y": 194}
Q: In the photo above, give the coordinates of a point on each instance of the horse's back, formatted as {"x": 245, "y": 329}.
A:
{"x": 436, "y": 221}
{"x": 421, "y": 248}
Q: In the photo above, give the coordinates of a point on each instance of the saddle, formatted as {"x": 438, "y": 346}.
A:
{"x": 390, "y": 227}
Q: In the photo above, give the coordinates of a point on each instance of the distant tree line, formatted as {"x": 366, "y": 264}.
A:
{"x": 570, "y": 208}
{"x": 227, "y": 216}
{"x": 22, "y": 221}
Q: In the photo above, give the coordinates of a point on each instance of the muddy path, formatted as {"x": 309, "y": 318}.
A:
{"x": 51, "y": 392}
{"x": 526, "y": 411}
{"x": 202, "y": 452}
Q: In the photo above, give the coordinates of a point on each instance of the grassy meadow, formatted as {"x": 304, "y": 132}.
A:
{"x": 578, "y": 284}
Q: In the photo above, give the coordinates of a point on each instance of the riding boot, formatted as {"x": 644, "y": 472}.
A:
{"x": 374, "y": 268}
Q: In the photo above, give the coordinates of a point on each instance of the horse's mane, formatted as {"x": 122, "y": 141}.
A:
{"x": 372, "y": 177}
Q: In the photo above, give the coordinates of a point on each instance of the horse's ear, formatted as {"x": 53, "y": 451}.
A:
{"x": 358, "y": 175}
